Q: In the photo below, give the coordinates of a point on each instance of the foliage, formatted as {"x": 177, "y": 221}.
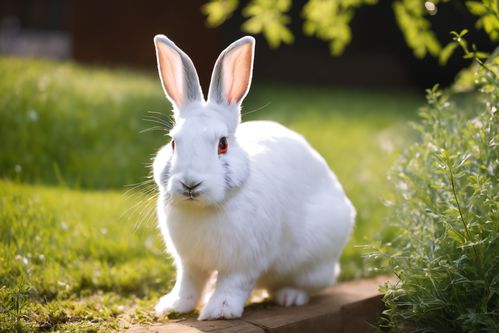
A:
{"x": 268, "y": 18}
{"x": 410, "y": 15}
{"x": 446, "y": 254}
{"x": 264, "y": 16}
{"x": 460, "y": 41}
{"x": 218, "y": 11}
{"x": 329, "y": 20}
{"x": 76, "y": 259}
{"x": 488, "y": 13}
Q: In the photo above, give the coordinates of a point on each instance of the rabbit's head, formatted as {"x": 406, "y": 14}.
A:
{"x": 203, "y": 163}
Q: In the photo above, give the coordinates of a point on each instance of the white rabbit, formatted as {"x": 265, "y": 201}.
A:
{"x": 253, "y": 202}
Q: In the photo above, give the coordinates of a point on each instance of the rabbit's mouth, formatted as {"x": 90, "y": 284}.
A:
{"x": 191, "y": 201}
{"x": 190, "y": 198}
{"x": 204, "y": 192}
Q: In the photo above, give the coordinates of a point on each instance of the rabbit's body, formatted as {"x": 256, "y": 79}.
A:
{"x": 265, "y": 212}
{"x": 252, "y": 230}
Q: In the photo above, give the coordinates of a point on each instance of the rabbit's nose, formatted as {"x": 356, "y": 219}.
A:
{"x": 190, "y": 185}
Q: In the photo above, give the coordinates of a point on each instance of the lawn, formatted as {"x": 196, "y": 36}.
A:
{"x": 79, "y": 248}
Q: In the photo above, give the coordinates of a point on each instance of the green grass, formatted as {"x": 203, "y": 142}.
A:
{"x": 76, "y": 254}
{"x": 73, "y": 125}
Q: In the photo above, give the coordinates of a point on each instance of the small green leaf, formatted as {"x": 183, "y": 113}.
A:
{"x": 268, "y": 17}
{"x": 218, "y": 11}
{"x": 447, "y": 52}
{"x": 476, "y": 8}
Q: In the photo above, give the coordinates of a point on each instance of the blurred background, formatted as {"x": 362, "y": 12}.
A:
{"x": 82, "y": 113}
{"x": 119, "y": 33}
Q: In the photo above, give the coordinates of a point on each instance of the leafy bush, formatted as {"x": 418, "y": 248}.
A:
{"x": 447, "y": 252}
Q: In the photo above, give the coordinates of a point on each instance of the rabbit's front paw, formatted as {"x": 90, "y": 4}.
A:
{"x": 290, "y": 297}
{"x": 173, "y": 303}
{"x": 222, "y": 308}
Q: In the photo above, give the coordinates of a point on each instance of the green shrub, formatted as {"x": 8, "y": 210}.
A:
{"x": 446, "y": 254}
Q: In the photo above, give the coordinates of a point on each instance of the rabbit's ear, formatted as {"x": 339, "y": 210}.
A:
{"x": 177, "y": 73}
{"x": 231, "y": 76}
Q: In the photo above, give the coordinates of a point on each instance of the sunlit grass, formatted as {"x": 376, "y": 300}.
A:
{"x": 78, "y": 126}
{"x": 76, "y": 254}
{"x": 61, "y": 246}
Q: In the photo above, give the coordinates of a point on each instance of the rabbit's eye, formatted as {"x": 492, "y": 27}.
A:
{"x": 173, "y": 144}
{"x": 223, "y": 146}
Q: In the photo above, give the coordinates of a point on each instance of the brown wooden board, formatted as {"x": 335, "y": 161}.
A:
{"x": 348, "y": 307}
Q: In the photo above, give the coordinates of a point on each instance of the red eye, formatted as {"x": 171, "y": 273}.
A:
{"x": 173, "y": 144}
{"x": 223, "y": 146}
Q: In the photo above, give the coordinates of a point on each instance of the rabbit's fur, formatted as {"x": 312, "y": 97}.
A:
{"x": 267, "y": 213}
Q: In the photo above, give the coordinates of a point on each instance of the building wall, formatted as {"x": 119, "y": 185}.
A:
{"x": 120, "y": 32}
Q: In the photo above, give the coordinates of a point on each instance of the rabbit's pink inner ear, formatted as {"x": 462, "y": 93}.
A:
{"x": 171, "y": 73}
{"x": 237, "y": 72}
